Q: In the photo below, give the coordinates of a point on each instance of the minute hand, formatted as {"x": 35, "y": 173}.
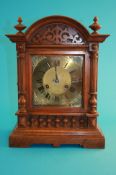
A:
{"x": 56, "y": 76}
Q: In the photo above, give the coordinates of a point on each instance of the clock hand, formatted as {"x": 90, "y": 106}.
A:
{"x": 56, "y": 75}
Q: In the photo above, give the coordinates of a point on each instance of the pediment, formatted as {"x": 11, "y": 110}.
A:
{"x": 56, "y": 33}
{"x": 56, "y": 30}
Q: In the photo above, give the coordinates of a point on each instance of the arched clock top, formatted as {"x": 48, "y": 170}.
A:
{"x": 56, "y": 34}
{"x": 57, "y": 30}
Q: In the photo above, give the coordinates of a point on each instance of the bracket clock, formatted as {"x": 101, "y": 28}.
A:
{"x": 57, "y": 62}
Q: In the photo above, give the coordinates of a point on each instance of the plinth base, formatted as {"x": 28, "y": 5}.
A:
{"x": 87, "y": 138}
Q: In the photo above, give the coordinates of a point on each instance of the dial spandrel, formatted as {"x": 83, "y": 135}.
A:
{"x": 57, "y": 80}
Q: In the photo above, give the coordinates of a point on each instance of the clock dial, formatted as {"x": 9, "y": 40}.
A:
{"x": 57, "y": 80}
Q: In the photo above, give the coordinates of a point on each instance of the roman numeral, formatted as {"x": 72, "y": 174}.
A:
{"x": 72, "y": 89}
{"x": 48, "y": 65}
{"x": 39, "y": 81}
{"x": 41, "y": 89}
{"x": 47, "y": 96}
{"x": 56, "y": 98}
{"x": 65, "y": 65}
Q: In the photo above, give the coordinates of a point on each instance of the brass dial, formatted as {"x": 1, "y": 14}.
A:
{"x": 57, "y": 80}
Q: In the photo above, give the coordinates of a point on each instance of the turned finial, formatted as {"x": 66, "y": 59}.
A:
{"x": 20, "y": 26}
{"x": 95, "y": 26}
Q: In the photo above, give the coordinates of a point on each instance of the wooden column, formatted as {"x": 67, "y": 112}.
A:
{"x": 93, "y": 48}
{"x": 93, "y": 78}
{"x": 19, "y": 39}
{"x": 92, "y": 121}
{"x": 22, "y": 112}
{"x": 20, "y": 46}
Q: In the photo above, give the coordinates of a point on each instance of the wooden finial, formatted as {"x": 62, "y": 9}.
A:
{"x": 20, "y": 26}
{"x": 20, "y": 20}
{"x": 95, "y": 26}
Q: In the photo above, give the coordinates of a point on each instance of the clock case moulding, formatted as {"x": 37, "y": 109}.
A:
{"x": 57, "y": 35}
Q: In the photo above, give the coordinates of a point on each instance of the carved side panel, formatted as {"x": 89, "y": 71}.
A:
{"x": 56, "y": 33}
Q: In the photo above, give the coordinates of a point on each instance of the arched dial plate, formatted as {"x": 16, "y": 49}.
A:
{"x": 57, "y": 80}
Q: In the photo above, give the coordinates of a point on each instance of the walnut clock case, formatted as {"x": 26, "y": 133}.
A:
{"x": 57, "y": 62}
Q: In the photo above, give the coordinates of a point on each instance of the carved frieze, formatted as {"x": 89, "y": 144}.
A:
{"x": 57, "y": 33}
{"x": 70, "y": 122}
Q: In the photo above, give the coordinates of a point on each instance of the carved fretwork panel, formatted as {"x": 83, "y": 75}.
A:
{"x": 57, "y": 33}
{"x": 71, "y": 122}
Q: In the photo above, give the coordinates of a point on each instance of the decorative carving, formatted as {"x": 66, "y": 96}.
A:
{"x": 66, "y": 122}
{"x": 20, "y": 27}
{"x": 57, "y": 33}
{"x": 22, "y": 103}
{"x": 93, "y": 47}
{"x": 20, "y": 47}
{"x": 49, "y": 120}
{"x": 22, "y": 121}
{"x": 83, "y": 122}
{"x": 57, "y": 122}
{"x": 34, "y": 123}
{"x": 92, "y": 121}
{"x": 74, "y": 123}
{"x": 93, "y": 102}
{"x": 95, "y": 26}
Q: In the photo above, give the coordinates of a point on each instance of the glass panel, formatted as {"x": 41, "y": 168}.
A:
{"x": 57, "y": 80}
